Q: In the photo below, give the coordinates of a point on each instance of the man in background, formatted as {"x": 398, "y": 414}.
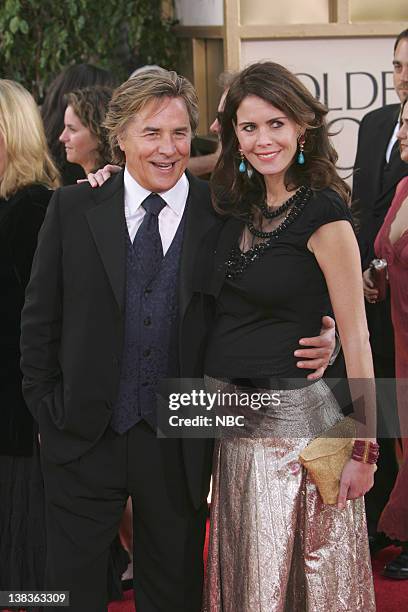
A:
{"x": 202, "y": 165}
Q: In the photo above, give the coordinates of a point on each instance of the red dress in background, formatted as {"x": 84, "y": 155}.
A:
{"x": 394, "y": 519}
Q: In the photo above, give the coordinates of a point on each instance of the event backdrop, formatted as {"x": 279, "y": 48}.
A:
{"x": 352, "y": 76}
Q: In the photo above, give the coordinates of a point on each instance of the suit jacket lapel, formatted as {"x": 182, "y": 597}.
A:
{"x": 383, "y": 132}
{"x": 396, "y": 168}
{"x": 108, "y": 226}
{"x": 199, "y": 219}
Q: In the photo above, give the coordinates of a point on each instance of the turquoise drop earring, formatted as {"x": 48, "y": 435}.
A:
{"x": 242, "y": 166}
{"x": 301, "y": 157}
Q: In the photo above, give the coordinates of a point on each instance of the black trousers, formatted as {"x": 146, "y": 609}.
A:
{"x": 84, "y": 504}
{"x": 387, "y": 421}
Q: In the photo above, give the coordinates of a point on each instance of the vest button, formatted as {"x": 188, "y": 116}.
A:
{"x": 147, "y": 291}
{"x": 147, "y": 321}
{"x": 146, "y": 353}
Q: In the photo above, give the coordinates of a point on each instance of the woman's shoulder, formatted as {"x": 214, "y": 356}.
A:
{"x": 30, "y": 196}
{"x": 35, "y": 195}
{"x": 26, "y": 207}
{"x": 402, "y": 187}
{"x": 327, "y": 203}
{"x": 400, "y": 197}
{"x": 325, "y": 206}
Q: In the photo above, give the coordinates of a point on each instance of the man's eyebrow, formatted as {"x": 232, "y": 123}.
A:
{"x": 148, "y": 128}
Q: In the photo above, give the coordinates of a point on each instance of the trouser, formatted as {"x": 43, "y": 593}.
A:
{"x": 377, "y": 498}
{"x": 85, "y": 499}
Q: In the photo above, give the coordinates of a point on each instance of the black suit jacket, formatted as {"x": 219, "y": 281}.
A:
{"x": 374, "y": 180}
{"x": 73, "y": 319}
{"x": 21, "y": 217}
{"x": 374, "y": 186}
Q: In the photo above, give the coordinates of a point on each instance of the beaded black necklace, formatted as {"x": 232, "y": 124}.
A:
{"x": 293, "y": 202}
{"x": 238, "y": 260}
{"x": 272, "y": 214}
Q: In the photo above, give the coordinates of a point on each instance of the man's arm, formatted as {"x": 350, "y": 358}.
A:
{"x": 42, "y": 314}
{"x": 324, "y": 351}
{"x": 203, "y": 164}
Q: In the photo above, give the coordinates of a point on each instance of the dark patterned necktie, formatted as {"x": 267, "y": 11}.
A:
{"x": 147, "y": 243}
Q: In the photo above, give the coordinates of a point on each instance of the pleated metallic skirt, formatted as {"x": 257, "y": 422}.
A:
{"x": 274, "y": 546}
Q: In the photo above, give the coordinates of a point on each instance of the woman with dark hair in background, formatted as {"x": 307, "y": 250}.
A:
{"x": 27, "y": 177}
{"x": 84, "y": 137}
{"x": 284, "y": 257}
{"x": 391, "y": 244}
{"x": 74, "y": 77}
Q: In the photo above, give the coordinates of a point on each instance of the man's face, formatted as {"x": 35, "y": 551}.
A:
{"x": 400, "y": 63}
{"x": 156, "y": 143}
{"x": 215, "y": 127}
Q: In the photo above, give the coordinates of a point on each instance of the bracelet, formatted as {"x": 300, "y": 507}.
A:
{"x": 365, "y": 451}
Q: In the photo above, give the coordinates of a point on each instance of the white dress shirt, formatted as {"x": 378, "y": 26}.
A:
{"x": 169, "y": 217}
{"x": 392, "y": 142}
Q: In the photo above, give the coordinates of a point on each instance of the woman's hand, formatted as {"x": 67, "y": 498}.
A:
{"x": 98, "y": 178}
{"x": 318, "y": 357}
{"x": 370, "y": 293}
{"x": 356, "y": 480}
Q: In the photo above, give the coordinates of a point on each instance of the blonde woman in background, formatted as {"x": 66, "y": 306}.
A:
{"x": 27, "y": 177}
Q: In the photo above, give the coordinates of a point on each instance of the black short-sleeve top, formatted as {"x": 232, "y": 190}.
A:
{"x": 279, "y": 298}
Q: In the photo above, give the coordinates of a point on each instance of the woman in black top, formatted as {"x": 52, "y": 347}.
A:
{"x": 27, "y": 176}
{"x": 285, "y": 255}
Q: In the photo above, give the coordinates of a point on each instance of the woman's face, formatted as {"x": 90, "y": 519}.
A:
{"x": 81, "y": 146}
{"x": 403, "y": 134}
{"x": 3, "y": 156}
{"x": 267, "y": 137}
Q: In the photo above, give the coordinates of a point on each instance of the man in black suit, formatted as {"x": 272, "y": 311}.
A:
{"x": 377, "y": 170}
{"x": 109, "y": 311}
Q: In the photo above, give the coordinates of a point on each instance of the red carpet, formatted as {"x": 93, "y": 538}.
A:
{"x": 391, "y": 595}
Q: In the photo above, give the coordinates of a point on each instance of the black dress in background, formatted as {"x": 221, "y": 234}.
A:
{"x": 22, "y": 533}
{"x": 71, "y": 173}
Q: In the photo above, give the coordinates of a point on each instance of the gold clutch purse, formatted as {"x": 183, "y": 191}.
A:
{"x": 325, "y": 457}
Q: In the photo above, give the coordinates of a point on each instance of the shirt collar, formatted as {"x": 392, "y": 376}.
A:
{"x": 175, "y": 197}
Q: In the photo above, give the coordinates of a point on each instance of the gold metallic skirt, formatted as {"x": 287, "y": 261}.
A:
{"x": 274, "y": 546}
